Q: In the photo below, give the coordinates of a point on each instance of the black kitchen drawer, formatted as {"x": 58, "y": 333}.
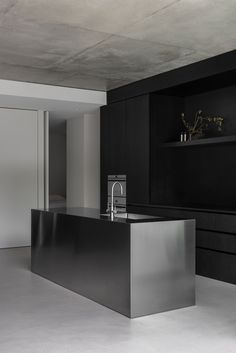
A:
{"x": 216, "y": 241}
{"x": 217, "y": 265}
{"x": 218, "y": 222}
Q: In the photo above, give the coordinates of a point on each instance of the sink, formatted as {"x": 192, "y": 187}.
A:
{"x": 130, "y": 216}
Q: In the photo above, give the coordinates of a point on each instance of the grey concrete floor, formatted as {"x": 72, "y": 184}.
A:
{"x": 37, "y": 316}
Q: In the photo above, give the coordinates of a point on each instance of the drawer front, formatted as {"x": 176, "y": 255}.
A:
{"x": 216, "y": 241}
{"x": 205, "y": 220}
{"x": 217, "y": 265}
{"x": 216, "y": 250}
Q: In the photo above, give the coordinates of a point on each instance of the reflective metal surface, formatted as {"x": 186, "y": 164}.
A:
{"x": 162, "y": 266}
{"x": 113, "y": 209}
{"x": 94, "y": 213}
{"x": 133, "y": 216}
{"x": 119, "y": 200}
{"x": 133, "y": 267}
{"x": 85, "y": 255}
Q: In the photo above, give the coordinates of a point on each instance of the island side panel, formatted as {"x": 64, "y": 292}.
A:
{"x": 162, "y": 266}
{"x": 88, "y": 256}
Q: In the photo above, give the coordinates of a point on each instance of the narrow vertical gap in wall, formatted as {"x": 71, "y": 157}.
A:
{"x": 57, "y": 160}
{"x": 46, "y": 159}
{"x": 40, "y": 160}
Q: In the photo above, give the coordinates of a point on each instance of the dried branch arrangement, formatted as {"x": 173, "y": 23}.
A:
{"x": 201, "y": 124}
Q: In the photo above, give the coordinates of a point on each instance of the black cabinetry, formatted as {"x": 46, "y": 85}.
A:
{"x": 113, "y": 144}
{"x": 199, "y": 173}
{"x": 125, "y": 146}
{"x": 215, "y": 238}
{"x": 166, "y": 177}
{"x": 137, "y": 142}
{"x": 196, "y": 179}
{"x": 113, "y": 138}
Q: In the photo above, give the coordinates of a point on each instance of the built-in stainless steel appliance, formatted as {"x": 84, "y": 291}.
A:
{"x": 119, "y": 199}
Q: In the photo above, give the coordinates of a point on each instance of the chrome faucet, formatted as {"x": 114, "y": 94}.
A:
{"x": 113, "y": 210}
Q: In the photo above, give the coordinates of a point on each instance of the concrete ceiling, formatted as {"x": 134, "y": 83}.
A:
{"x": 103, "y": 44}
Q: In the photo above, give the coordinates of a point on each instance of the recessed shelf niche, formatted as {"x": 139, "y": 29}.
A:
{"x": 200, "y": 172}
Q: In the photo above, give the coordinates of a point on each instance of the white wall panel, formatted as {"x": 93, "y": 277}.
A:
{"x": 21, "y": 168}
{"x": 75, "y": 162}
{"x": 92, "y": 160}
{"x": 83, "y": 161}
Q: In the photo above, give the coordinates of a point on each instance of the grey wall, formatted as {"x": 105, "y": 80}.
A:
{"x": 75, "y": 171}
{"x": 57, "y": 158}
{"x": 21, "y": 173}
{"x": 92, "y": 160}
{"x": 83, "y": 161}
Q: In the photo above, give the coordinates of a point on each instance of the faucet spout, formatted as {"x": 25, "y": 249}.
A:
{"x": 112, "y": 197}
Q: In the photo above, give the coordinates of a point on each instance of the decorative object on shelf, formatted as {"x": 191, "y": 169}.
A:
{"x": 183, "y": 137}
{"x": 202, "y": 125}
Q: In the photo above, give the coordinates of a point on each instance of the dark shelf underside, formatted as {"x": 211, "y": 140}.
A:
{"x": 201, "y": 142}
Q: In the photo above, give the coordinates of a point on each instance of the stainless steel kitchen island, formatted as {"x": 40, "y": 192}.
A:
{"x": 136, "y": 265}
